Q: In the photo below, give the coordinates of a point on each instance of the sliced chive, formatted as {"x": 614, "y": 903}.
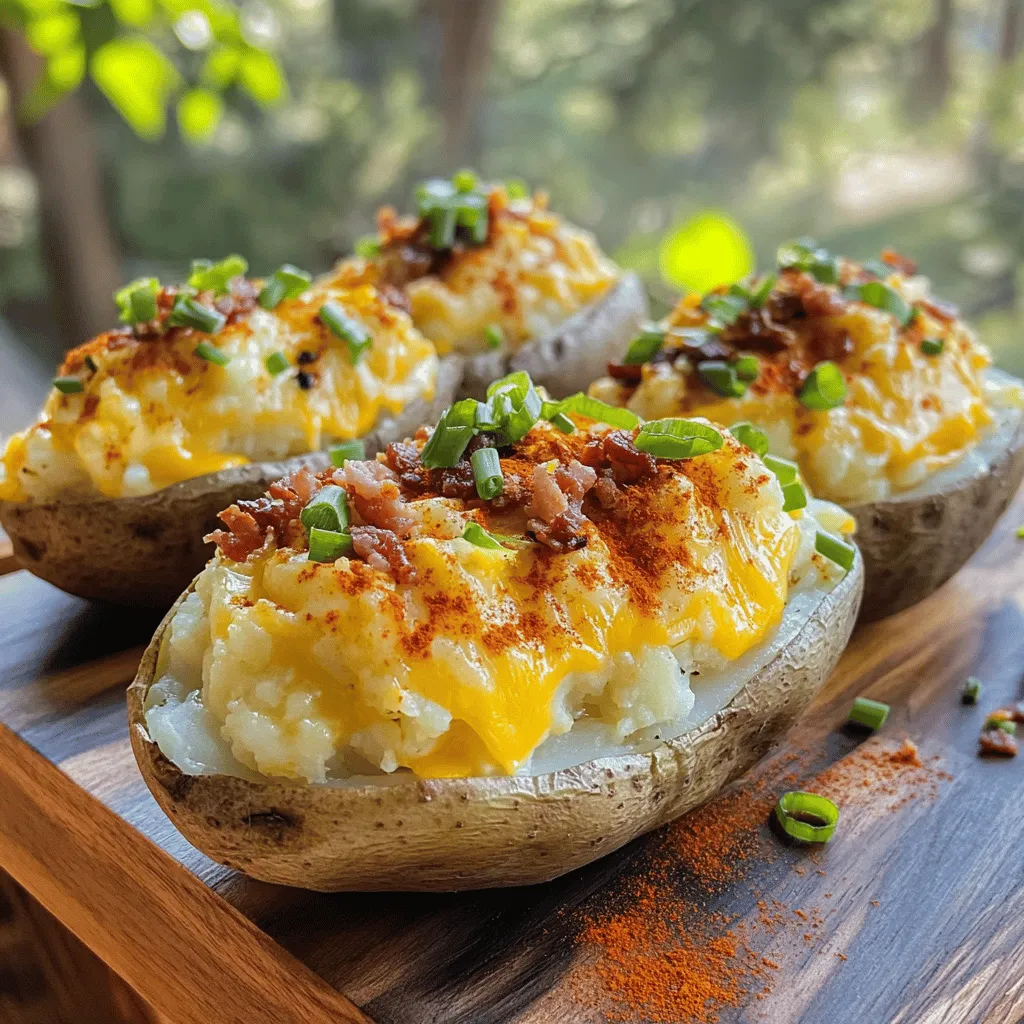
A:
{"x": 748, "y": 368}
{"x": 350, "y": 330}
{"x": 721, "y": 378}
{"x": 326, "y": 510}
{"x": 835, "y": 550}
{"x": 824, "y": 388}
{"x": 487, "y": 473}
{"x": 276, "y": 362}
{"x": 68, "y": 385}
{"x": 367, "y": 247}
{"x": 516, "y": 188}
{"x": 287, "y": 282}
{"x": 932, "y": 346}
{"x": 760, "y": 294}
{"x": 90, "y": 364}
{"x": 877, "y": 268}
{"x": 186, "y": 312}
{"x": 794, "y": 497}
{"x": 754, "y": 439}
{"x": 724, "y": 310}
{"x": 805, "y": 254}
{"x": 881, "y": 296}
{"x": 869, "y": 713}
{"x": 807, "y": 816}
{"x": 328, "y": 545}
{"x": 1020, "y": 532}
{"x": 136, "y": 302}
{"x": 677, "y": 439}
{"x": 208, "y": 351}
{"x": 562, "y": 422}
{"x": 595, "y": 409}
{"x": 647, "y": 344}
{"x": 785, "y": 470}
{"x": 494, "y": 336}
{"x": 348, "y": 451}
{"x": 971, "y": 691}
{"x": 997, "y": 722}
{"x": 477, "y": 535}
{"x": 446, "y": 445}
{"x": 216, "y": 277}
{"x": 464, "y": 181}
{"x": 523, "y": 415}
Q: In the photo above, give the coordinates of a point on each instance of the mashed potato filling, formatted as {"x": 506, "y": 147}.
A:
{"x": 313, "y": 671}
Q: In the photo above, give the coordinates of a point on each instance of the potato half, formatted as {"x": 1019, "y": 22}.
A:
{"x": 145, "y": 550}
{"x": 450, "y": 834}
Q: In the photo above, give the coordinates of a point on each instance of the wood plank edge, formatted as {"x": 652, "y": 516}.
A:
{"x": 185, "y": 950}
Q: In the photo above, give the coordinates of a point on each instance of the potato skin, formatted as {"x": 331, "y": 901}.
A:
{"x": 452, "y": 834}
{"x": 145, "y": 550}
{"x": 912, "y": 545}
{"x": 576, "y": 353}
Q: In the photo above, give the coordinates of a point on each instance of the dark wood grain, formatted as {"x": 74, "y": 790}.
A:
{"x": 944, "y": 945}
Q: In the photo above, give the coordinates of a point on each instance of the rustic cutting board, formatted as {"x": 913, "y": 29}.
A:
{"x": 914, "y": 913}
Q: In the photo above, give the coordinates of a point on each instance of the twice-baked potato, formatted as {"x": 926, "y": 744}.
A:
{"x": 209, "y": 393}
{"x": 490, "y": 272}
{"x": 498, "y": 652}
{"x": 878, "y": 391}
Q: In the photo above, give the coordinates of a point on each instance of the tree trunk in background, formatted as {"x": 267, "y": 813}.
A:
{"x": 78, "y": 247}
{"x": 467, "y": 32}
{"x": 1010, "y": 31}
{"x": 934, "y": 77}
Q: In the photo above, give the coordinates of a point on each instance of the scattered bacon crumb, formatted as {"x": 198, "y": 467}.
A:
{"x": 998, "y": 742}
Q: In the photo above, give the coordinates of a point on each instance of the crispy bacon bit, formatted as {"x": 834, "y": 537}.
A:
{"x": 376, "y": 496}
{"x": 998, "y": 742}
{"x": 563, "y": 533}
{"x": 556, "y": 507}
{"x": 242, "y": 537}
{"x": 631, "y": 373}
{"x": 817, "y": 299}
{"x": 404, "y": 460}
{"x": 549, "y": 499}
{"x": 903, "y": 264}
{"x": 607, "y": 491}
{"x": 628, "y": 464}
{"x": 382, "y": 550}
{"x": 1017, "y": 712}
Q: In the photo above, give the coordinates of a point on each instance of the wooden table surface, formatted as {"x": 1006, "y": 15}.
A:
{"x": 913, "y": 914}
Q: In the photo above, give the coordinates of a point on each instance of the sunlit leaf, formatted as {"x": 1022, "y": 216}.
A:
{"x": 138, "y": 80}
{"x": 222, "y": 66}
{"x": 66, "y": 69}
{"x": 199, "y": 113}
{"x": 53, "y": 32}
{"x": 133, "y": 12}
{"x": 261, "y": 77}
{"x": 708, "y": 250}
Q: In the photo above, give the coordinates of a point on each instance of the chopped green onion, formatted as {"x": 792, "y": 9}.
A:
{"x": 932, "y": 346}
{"x": 563, "y": 423}
{"x": 595, "y": 409}
{"x": 186, "y": 312}
{"x": 328, "y": 545}
{"x": 348, "y": 451}
{"x": 464, "y": 181}
{"x": 462, "y": 413}
{"x": 443, "y": 222}
{"x": 1006, "y": 724}
{"x": 347, "y": 328}
{"x": 825, "y": 387}
{"x": 754, "y": 439}
{"x": 90, "y": 364}
{"x": 807, "y": 816}
{"x": 805, "y": 254}
{"x": 68, "y": 385}
{"x": 835, "y": 550}
{"x": 881, "y": 296}
{"x": 137, "y": 301}
{"x": 276, "y": 362}
{"x": 877, "y": 268}
{"x": 494, "y": 336}
{"x": 287, "y": 282}
{"x": 208, "y": 351}
{"x": 515, "y": 385}
{"x": 446, "y": 445}
{"x": 677, "y": 439}
{"x": 216, "y": 277}
{"x": 869, "y": 713}
{"x": 477, "y": 535}
{"x": 721, "y": 377}
{"x": 645, "y": 345}
{"x": 971, "y": 691}
{"x": 367, "y": 247}
{"x": 471, "y": 213}
{"x": 485, "y": 418}
{"x": 760, "y": 294}
{"x": 516, "y": 188}
{"x": 747, "y": 368}
{"x": 326, "y": 510}
{"x": 794, "y": 497}
{"x": 487, "y": 473}
{"x": 785, "y": 470}
{"x": 524, "y": 414}
{"x": 723, "y": 310}
{"x": 1020, "y": 532}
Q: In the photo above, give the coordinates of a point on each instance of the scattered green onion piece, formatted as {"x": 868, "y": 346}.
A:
{"x": 869, "y": 713}
{"x": 443, "y": 222}
{"x": 487, "y": 473}
{"x": 793, "y": 810}
{"x": 722, "y": 378}
{"x": 825, "y": 387}
{"x": 515, "y": 385}
{"x": 877, "y": 268}
{"x": 805, "y": 254}
{"x": 68, "y": 385}
{"x": 90, "y": 364}
{"x": 137, "y": 301}
{"x": 516, "y": 188}
{"x": 645, "y": 345}
{"x": 748, "y": 368}
{"x": 471, "y": 213}
{"x": 724, "y": 309}
{"x": 446, "y": 445}
{"x": 881, "y": 296}
{"x": 485, "y": 418}
{"x": 1006, "y": 724}
{"x": 785, "y": 470}
{"x": 464, "y": 181}
{"x": 971, "y": 691}
{"x": 677, "y": 439}
{"x": 754, "y": 439}
{"x": 519, "y": 422}
{"x": 327, "y": 510}
{"x": 276, "y": 362}
{"x": 562, "y": 422}
{"x": 760, "y": 294}
{"x": 287, "y": 282}
{"x": 1020, "y": 532}
{"x": 212, "y": 354}
{"x": 794, "y": 497}
{"x": 595, "y": 409}
{"x": 367, "y": 247}
{"x": 328, "y": 545}
{"x": 477, "y": 535}
{"x": 186, "y": 312}
{"x": 216, "y": 277}
{"x": 350, "y": 330}
{"x": 932, "y": 346}
{"x": 835, "y": 550}
{"x": 347, "y": 451}
{"x": 494, "y": 336}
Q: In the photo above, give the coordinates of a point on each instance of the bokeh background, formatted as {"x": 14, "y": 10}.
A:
{"x": 691, "y": 136}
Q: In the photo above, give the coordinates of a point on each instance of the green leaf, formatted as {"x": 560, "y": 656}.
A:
{"x": 222, "y": 66}
{"x": 53, "y": 32}
{"x": 199, "y": 113}
{"x": 261, "y": 77}
{"x": 138, "y": 80}
{"x": 66, "y": 69}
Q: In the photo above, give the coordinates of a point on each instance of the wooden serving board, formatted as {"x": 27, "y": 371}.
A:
{"x": 914, "y": 913}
